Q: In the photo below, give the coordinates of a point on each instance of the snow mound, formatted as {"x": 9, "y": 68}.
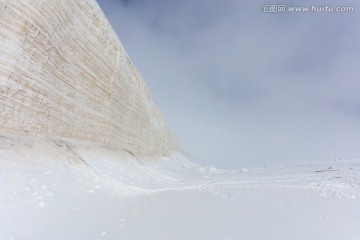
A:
{"x": 209, "y": 169}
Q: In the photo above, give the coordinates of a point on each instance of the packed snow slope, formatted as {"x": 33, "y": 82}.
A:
{"x": 52, "y": 189}
{"x": 64, "y": 73}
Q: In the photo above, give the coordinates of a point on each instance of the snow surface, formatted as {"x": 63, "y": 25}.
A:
{"x": 54, "y": 189}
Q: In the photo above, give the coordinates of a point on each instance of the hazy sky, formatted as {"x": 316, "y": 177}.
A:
{"x": 238, "y": 86}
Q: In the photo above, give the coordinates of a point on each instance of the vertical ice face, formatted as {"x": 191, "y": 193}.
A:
{"x": 64, "y": 73}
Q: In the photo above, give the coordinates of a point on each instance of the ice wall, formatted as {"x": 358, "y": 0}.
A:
{"x": 64, "y": 73}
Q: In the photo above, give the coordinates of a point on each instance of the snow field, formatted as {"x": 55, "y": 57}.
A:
{"x": 58, "y": 189}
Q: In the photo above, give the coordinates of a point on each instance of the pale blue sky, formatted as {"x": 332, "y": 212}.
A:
{"x": 238, "y": 86}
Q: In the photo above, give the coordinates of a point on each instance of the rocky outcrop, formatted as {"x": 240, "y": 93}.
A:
{"x": 64, "y": 73}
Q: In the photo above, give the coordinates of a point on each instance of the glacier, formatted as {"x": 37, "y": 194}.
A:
{"x": 86, "y": 154}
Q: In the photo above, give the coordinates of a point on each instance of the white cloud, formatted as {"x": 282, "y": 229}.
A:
{"x": 238, "y": 86}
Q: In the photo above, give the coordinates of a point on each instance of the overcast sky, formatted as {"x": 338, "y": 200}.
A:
{"x": 238, "y": 86}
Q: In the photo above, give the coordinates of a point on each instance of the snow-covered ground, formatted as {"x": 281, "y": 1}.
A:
{"x": 54, "y": 189}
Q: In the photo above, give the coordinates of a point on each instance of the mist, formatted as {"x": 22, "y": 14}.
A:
{"x": 238, "y": 86}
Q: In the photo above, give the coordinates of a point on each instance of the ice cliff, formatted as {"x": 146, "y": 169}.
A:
{"x": 65, "y": 74}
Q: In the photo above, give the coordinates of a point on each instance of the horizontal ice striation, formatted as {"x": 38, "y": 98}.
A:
{"x": 64, "y": 73}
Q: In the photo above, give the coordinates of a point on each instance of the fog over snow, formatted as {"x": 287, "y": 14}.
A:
{"x": 238, "y": 86}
